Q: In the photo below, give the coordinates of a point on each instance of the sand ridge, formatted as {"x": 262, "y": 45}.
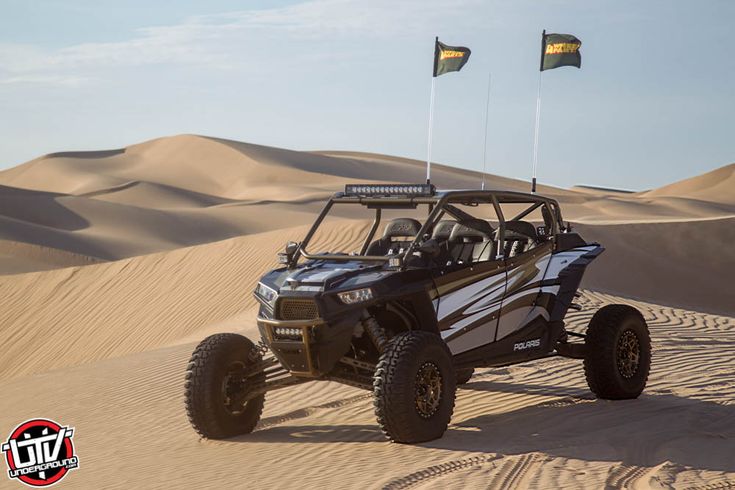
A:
{"x": 527, "y": 426}
{"x": 176, "y": 294}
{"x": 186, "y": 190}
{"x": 114, "y": 264}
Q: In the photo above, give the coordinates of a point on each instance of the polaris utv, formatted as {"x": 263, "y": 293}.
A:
{"x": 473, "y": 279}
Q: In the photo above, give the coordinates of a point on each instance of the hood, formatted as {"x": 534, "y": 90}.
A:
{"x": 323, "y": 276}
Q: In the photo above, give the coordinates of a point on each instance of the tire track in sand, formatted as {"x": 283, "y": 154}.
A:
{"x": 625, "y": 476}
{"x": 513, "y": 472}
{"x": 437, "y": 471}
{"x": 301, "y": 413}
{"x": 714, "y": 486}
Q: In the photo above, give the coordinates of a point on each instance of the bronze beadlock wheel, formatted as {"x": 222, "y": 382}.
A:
{"x": 428, "y": 389}
{"x": 628, "y": 354}
{"x": 617, "y": 355}
{"x": 414, "y": 387}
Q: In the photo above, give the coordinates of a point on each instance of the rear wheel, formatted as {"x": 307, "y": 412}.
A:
{"x": 618, "y": 353}
{"x": 464, "y": 375}
{"x": 414, "y": 387}
{"x": 221, "y": 375}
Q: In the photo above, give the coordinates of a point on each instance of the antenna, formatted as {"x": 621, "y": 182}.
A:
{"x": 487, "y": 117}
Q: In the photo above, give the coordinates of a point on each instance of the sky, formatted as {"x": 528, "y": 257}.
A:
{"x": 653, "y": 102}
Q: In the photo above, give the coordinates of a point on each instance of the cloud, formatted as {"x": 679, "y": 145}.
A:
{"x": 218, "y": 41}
{"x": 377, "y": 18}
{"x": 58, "y": 80}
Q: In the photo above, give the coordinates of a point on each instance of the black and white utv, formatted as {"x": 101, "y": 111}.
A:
{"x": 478, "y": 279}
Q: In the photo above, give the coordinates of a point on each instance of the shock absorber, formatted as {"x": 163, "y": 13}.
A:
{"x": 375, "y": 332}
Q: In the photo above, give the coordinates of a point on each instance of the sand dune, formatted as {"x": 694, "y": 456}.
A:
{"x": 185, "y": 190}
{"x": 528, "y": 426}
{"x": 689, "y": 264}
{"x": 591, "y": 189}
{"x": 16, "y": 257}
{"x": 178, "y": 295}
{"x": 717, "y": 186}
{"x": 114, "y": 264}
{"x": 185, "y": 293}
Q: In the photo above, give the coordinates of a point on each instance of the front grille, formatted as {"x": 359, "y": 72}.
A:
{"x": 297, "y": 309}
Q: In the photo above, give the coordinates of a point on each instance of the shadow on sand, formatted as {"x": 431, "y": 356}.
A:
{"x": 643, "y": 432}
{"x": 40, "y": 208}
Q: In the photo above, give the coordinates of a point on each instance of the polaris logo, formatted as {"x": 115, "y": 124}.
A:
{"x": 527, "y": 344}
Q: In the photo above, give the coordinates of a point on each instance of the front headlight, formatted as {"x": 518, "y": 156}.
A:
{"x": 266, "y": 294}
{"x": 356, "y": 296}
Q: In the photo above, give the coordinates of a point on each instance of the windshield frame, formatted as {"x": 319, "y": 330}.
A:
{"x": 439, "y": 204}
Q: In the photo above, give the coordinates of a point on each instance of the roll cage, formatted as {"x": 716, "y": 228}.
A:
{"x": 439, "y": 204}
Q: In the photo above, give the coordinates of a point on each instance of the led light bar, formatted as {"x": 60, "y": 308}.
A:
{"x": 287, "y": 333}
{"x": 389, "y": 190}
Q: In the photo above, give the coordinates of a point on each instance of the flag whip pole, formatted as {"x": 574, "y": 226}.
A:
{"x": 538, "y": 113}
{"x": 431, "y": 127}
{"x": 487, "y": 116}
{"x": 431, "y": 111}
{"x": 535, "y": 136}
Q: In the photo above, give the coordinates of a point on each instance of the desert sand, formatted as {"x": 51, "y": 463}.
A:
{"x": 114, "y": 264}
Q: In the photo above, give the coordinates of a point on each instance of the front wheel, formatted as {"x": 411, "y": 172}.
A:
{"x": 617, "y": 353}
{"x": 414, "y": 387}
{"x": 220, "y": 380}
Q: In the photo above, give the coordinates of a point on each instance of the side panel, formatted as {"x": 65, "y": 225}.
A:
{"x": 529, "y": 342}
{"x": 468, "y": 304}
{"x": 542, "y": 285}
{"x": 540, "y": 288}
{"x": 526, "y": 296}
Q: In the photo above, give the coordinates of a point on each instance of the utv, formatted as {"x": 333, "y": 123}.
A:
{"x": 484, "y": 278}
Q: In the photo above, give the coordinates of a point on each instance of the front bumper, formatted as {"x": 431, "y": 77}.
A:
{"x": 295, "y": 355}
{"x": 315, "y": 351}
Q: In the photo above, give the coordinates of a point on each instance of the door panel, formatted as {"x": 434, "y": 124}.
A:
{"x": 469, "y": 301}
{"x": 521, "y": 302}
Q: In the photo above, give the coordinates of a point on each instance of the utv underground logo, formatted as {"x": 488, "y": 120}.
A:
{"x": 529, "y": 344}
{"x": 40, "y": 453}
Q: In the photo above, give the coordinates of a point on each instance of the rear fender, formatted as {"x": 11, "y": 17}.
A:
{"x": 566, "y": 270}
